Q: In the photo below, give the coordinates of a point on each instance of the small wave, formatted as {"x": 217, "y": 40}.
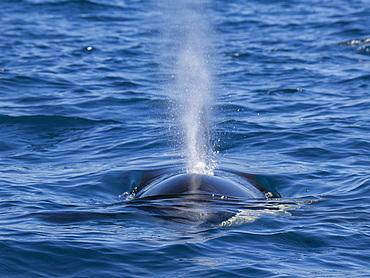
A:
{"x": 23, "y": 81}
{"x": 47, "y": 120}
{"x": 362, "y": 46}
{"x": 356, "y": 42}
{"x": 80, "y": 3}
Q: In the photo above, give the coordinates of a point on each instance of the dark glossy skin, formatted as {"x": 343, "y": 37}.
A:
{"x": 202, "y": 184}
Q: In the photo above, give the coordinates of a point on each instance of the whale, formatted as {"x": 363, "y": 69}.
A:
{"x": 194, "y": 198}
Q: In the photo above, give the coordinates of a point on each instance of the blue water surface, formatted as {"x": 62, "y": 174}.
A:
{"x": 87, "y": 108}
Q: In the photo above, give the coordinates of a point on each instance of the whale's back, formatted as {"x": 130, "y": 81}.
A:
{"x": 201, "y": 184}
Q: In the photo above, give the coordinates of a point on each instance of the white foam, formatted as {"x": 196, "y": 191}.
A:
{"x": 245, "y": 216}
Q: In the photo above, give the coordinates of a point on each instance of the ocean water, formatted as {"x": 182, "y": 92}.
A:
{"x": 94, "y": 95}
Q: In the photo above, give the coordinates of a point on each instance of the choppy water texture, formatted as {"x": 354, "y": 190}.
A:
{"x": 87, "y": 108}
